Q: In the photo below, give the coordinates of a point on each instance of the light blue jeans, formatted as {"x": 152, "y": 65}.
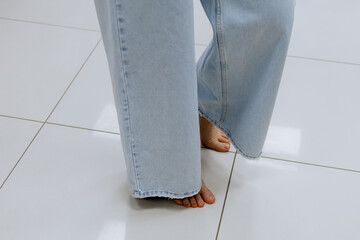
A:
{"x": 159, "y": 89}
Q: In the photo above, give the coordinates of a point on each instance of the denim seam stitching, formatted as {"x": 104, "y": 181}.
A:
{"x": 118, "y": 4}
{"x": 149, "y": 192}
{"x": 227, "y": 132}
{"x": 223, "y": 65}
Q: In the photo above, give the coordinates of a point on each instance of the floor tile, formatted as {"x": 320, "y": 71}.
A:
{"x": 71, "y": 13}
{"x": 326, "y": 29}
{"x": 71, "y": 183}
{"x": 15, "y": 136}
{"x": 271, "y": 199}
{"x": 74, "y": 183}
{"x": 38, "y": 63}
{"x": 316, "y": 116}
{"x": 89, "y": 102}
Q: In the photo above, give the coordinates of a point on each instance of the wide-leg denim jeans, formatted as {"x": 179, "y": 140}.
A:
{"x": 159, "y": 89}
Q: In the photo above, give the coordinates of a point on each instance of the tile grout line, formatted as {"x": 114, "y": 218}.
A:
{"x": 312, "y": 164}
{"x": 226, "y": 194}
{"x": 82, "y": 66}
{"x": 83, "y": 128}
{"x": 21, "y": 157}
{"x": 72, "y": 81}
{"x": 71, "y": 126}
{"x": 49, "y": 24}
{"x": 199, "y": 44}
{"x": 307, "y": 58}
{"x": 232, "y": 168}
{"x": 324, "y": 60}
{"x": 59, "y": 124}
{"x": 20, "y": 118}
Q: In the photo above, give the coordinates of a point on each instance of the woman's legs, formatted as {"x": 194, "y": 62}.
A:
{"x": 239, "y": 72}
{"x": 151, "y": 54}
{"x": 159, "y": 90}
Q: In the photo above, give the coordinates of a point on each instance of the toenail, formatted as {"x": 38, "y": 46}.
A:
{"x": 226, "y": 146}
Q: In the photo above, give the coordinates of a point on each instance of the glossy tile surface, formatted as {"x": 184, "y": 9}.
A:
{"x": 71, "y": 13}
{"x": 89, "y": 101}
{"x": 74, "y": 183}
{"x": 326, "y": 29}
{"x": 38, "y": 62}
{"x": 316, "y": 115}
{"x": 71, "y": 181}
{"x": 15, "y": 136}
{"x": 272, "y": 199}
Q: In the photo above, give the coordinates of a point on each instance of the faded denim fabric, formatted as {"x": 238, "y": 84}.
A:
{"x": 159, "y": 89}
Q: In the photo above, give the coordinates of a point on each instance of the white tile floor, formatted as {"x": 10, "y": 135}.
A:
{"x": 62, "y": 174}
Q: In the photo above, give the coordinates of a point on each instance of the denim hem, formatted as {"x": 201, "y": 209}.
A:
{"x": 242, "y": 153}
{"x": 167, "y": 194}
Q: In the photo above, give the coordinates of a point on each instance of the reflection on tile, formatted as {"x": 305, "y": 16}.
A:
{"x": 38, "y": 62}
{"x": 15, "y": 136}
{"x": 71, "y": 13}
{"x": 316, "y": 118}
{"x": 74, "y": 183}
{"x": 271, "y": 199}
{"x": 284, "y": 139}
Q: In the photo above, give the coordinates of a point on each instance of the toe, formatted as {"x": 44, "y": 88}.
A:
{"x": 224, "y": 140}
{"x": 186, "y": 202}
{"x": 218, "y": 146}
{"x": 193, "y": 202}
{"x": 225, "y": 144}
{"x": 199, "y": 200}
{"x": 224, "y": 136}
{"x": 178, "y": 202}
{"x": 207, "y": 195}
{"x": 221, "y": 146}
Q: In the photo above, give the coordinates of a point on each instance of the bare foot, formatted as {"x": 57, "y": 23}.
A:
{"x": 198, "y": 200}
{"x": 212, "y": 137}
